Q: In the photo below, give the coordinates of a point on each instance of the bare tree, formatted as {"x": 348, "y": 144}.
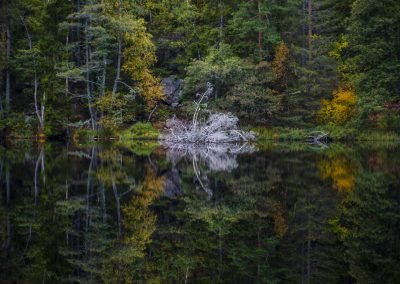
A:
{"x": 218, "y": 128}
{"x": 220, "y": 157}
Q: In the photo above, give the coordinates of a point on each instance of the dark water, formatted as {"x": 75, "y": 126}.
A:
{"x": 288, "y": 213}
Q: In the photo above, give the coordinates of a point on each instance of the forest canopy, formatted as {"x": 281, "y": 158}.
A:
{"x": 101, "y": 65}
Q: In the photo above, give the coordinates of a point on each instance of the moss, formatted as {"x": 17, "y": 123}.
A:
{"x": 140, "y": 130}
{"x": 335, "y": 133}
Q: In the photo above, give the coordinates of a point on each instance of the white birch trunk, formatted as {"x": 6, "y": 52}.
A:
{"x": 88, "y": 87}
{"x": 39, "y": 111}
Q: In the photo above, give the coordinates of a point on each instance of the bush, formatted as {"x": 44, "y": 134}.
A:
{"x": 140, "y": 130}
{"x": 116, "y": 110}
{"x": 220, "y": 68}
{"x": 340, "y": 109}
{"x": 162, "y": 113}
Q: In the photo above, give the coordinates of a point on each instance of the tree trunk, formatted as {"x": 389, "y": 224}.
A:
{"x": 221, "y": 21}
{"x": 8, "y": 185}
{"x": 88, "y": 87}
{"x": 310, "y": 30}
{"x": 39, "y": 112}
{"x": 260, "y": 33}
{"x": 115, "y": 190}
{"x": 66, "y": 79}
{"x": 152, "y": 112}
{"x": 103, "y": 202}
{"x": 119, "y": 56}
{"x": 8, "y": 72}
{"x": 35, "y": 180}
{"x": 304, "y": 32}
{"x": 103, "y": 77}
{"x": 88, "y": 189}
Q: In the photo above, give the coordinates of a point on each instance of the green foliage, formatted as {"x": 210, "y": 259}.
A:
{"x": 271, "y": 62}
{"x": 140, "y": 130}
{"x": 251, "y": 29}
{"x": 139, "y": 147}
{"x": 18, "y": 125}
{"x": 371, "y": 62}
{"x": 389, "y": 120}
{"x": 336, "y": 133}
{"x": 252, "y": 105}
{"x": 220, "y": 68}
{"x": 284, "y": 134}
{"x": 116, "y": 110}
{"x": 140, "y": 218}
{"x": 371, "y": 254}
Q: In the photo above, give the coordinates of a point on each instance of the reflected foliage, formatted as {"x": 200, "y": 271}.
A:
{"x": 284, "y": 214}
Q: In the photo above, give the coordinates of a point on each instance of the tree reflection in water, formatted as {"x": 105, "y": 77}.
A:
{"x": 217, "y": 157}
{"x": 189, "y": 214}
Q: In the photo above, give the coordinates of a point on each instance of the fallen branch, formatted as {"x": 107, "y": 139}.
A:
{"x": 218, "y": 128}
{"x": 318, "y": 137}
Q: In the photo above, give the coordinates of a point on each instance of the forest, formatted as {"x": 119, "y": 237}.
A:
{"x": 200, "y": 141}
{"x": 100, "y": 66}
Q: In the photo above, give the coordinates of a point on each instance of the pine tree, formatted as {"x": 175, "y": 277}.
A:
{"x": 372, "y": 62}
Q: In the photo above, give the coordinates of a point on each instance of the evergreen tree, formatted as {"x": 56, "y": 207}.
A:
{"x": 373, "y": 59}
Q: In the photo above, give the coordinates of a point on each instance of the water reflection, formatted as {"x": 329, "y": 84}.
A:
{"x": 214, "y": 157}
{"x": 141, "y": 213}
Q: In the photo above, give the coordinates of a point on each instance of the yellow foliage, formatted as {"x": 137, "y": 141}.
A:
{"x": 110, "y": 171}
{"x": 280, "y": 223}
{"x": 139, "y": 56}
{"x": 111, "y": 107}
{"x": 338, "y": 47}
{"x": 340, "y": 170}
{"x": 152, "y": 90}
{"x": 139, "y": 221}
{"x": 340, "y": 109}
{"x": 281, "y": 65}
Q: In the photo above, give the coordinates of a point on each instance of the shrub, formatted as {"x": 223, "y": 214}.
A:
{"x": 140, "y": 130}
{"x": 220, "y": 68}
{"x": 340, "y": 109}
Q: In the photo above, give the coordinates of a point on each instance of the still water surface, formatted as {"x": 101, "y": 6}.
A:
{"x": 278, "y": 213}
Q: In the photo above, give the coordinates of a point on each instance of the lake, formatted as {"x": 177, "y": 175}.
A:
{"x": 272, "y": 213}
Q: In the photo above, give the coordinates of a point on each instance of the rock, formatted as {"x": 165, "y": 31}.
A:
{"x": 172, "y": 184}
{"x": 172, "y": 90}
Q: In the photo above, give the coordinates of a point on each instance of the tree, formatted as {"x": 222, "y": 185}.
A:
{"x": 372, "y": 59}
{"x": 139, "y": 57}
{"x": 252, "y": 20}
{"x": 281, "y": 67}
{"x": 340, "y": 109}
{"x": 371, "y": 254}
{"x": 220, "y": 68}
{"x": 6, "y": 53}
